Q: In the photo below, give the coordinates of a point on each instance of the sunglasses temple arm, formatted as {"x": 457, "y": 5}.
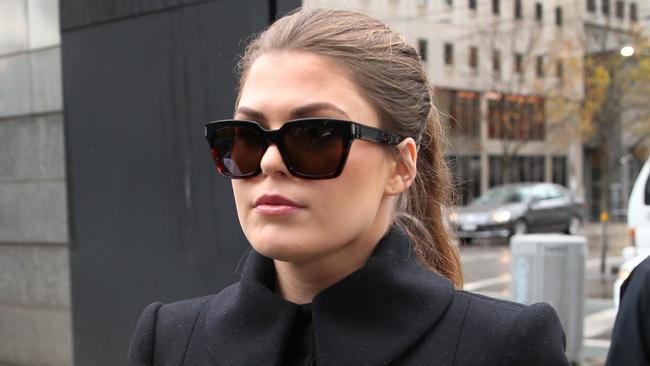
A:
{"x": 376, "y": 135}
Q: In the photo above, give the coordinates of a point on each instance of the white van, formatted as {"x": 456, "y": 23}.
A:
{"x": 638, "y": 221}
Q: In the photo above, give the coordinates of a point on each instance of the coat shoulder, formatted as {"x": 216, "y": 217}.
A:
{"x": 507, "y": 333}
{"x": 500, "y": 310}
{"x": 163, "y": 331}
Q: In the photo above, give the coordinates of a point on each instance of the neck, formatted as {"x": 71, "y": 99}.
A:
{"x": 300, "y": 282}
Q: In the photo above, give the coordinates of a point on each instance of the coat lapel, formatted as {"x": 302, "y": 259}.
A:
{"x": 378, "y": 312}
{"x": 371, "y": 317}
{"x": 249, "y": 324}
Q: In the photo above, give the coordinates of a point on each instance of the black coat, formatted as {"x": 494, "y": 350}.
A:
{"x": 631, "y": 335}
{"x": 392, "y": 311}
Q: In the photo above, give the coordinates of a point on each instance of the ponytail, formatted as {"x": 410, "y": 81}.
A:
{"x": 421, "y": 210}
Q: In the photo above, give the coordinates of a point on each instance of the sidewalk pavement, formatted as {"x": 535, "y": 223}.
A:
{"x": 617, "y": 235}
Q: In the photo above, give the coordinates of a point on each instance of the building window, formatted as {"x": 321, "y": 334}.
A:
{"x": 518, "y": 169}
{"x": 449, "y": 54}
{"x": 496, "y": 62}
{"x": 559, "y": 70}
{"x": 472, "y": 4}
{"x": 531, "y": 168}
{"x": 495, "y": 118}
{"x": 559, "y": 170}
{"x": 515, "y": 117}
{"x": 518, "y": 10}
{"x": 519, "y": 63}
{"x": 462, "y": 111}
{"x": 422, "y": 48}
{"x": 605, "y": 7}
{"x": 539, "y": 66}
{"x": 591, "y": 6}
{"x": 496, "y": 170}
{"x": 558, "y": 16}
{"x": 620, "y": 9}
{"x": 633, "y": 13}
{"x": 466, "y": 173}
{"x": 473, "y": 57}
{"x": 496, "y": 7}
{"x": 539, "y": 12}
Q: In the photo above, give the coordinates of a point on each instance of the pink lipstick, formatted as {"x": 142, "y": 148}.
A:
{"x": 275, "y": 205}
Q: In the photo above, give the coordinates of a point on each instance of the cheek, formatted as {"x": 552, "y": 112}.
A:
{"x": 240, "y": 193}
{"x": 352, "y": 200}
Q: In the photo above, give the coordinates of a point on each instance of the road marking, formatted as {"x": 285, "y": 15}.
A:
{"x": 596, "y": 343}
{"x": 506, "y": 278}
{"x": 480, "y": 258}
{"x": 599, "y": 322}
{"x": 468, "y": 258}
{"x": 499, "y": 280}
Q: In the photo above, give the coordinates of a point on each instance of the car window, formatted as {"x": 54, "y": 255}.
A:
{"x": 540, "y": 192}
{"x": 501, "y": 195}
{"x": 555, "y": 192}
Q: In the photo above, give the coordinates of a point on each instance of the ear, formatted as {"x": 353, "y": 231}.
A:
{"x": 404, "y": 168}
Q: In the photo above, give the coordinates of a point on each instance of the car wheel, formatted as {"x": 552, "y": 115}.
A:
{"x": 520, "y": 227}
{"x": 575, "y": 226}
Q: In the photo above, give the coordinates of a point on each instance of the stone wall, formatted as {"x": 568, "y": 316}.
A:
{"x": 35, "y": 319}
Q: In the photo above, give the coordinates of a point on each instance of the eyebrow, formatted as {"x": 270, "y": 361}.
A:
{"x": 299, "y": 112}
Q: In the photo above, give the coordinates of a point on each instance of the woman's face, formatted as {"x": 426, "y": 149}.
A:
{"x": 326, "y": 216}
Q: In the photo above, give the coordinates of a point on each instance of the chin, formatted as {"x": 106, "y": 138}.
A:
{"x": 274, "y": 240}
{"x": 285, "y": 251}
{"x": 287, "y": 244}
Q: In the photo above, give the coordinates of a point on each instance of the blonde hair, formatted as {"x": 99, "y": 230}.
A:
{"x": 390, "y": 73}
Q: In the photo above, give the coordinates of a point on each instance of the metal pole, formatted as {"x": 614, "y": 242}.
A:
{"x": 625, "y": 181}
{"x": 604, "y": 219}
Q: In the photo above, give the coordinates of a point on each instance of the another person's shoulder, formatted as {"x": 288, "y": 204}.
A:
{"x": 640, "y": 276}
{"x": 642, "y": 270}
{"x": 525, "y": 334}
{"x": 638, "y": 284}
{"x": 632, "y": 326}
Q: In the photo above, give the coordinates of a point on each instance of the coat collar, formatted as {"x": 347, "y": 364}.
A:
{"x": 370, "y": 317}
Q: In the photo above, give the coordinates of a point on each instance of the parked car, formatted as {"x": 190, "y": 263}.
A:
{"x": 520, "y": 208}
{"x": 638, "y": 222}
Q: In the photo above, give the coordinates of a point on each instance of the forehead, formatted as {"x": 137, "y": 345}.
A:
{"x": 278, "y": 83}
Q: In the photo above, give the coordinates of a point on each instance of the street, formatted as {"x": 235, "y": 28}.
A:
{"x": 486, "y": 266}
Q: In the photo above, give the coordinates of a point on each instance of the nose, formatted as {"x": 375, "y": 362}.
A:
{"x": 272, "y": 163}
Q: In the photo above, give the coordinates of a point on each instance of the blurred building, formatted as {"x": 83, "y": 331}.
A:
{"x": 614, "y": 158}
{"x": 35, "y": 319}
{"x": 508, "y": 76}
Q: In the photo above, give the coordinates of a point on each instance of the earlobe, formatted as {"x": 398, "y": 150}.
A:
{"x": 405, "y": 168}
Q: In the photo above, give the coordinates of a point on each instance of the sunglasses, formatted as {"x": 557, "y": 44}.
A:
{"x": 311, "y": 148}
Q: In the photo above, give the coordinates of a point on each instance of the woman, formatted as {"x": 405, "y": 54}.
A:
{"x": 335, "y": 154}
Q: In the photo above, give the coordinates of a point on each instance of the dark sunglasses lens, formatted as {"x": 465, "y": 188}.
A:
{"x": 314, "y": 150}
{"x": 238, "y": 151}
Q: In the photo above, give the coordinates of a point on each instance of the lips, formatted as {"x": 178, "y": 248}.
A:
{"x": 274, "y": 200}
{"x": 275, "y": 205}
